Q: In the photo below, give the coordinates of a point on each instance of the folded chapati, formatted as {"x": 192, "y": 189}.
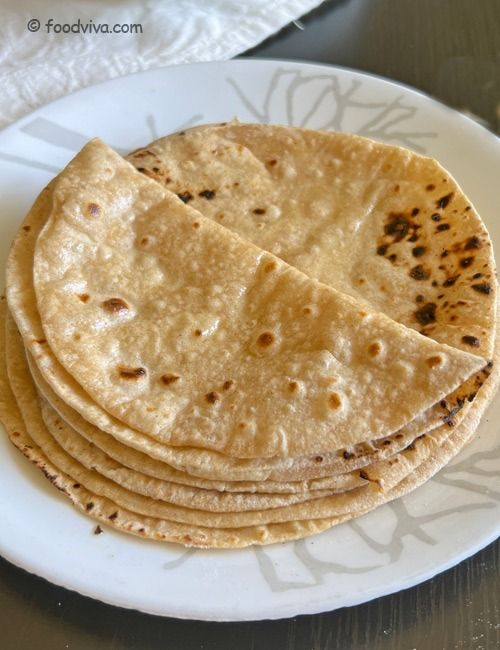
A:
{"x": 186, "y": 332}
{"x": 380, "y": 223}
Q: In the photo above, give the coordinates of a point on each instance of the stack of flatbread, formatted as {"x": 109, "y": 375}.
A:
{"x": 245, "y": 334}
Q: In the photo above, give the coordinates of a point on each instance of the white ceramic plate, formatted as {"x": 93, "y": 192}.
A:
{"x": 397, "y": 546}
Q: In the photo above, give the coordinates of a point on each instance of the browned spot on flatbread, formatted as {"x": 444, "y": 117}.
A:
{"x": 169, "y": 378}
{"x": 185, "y": 197}
{"x": 473, "y": 341}
{"x": 126, "y": 372}
{"x": 397, "y": 226}
{"x": 472, "y": 243}
{"x": 265, "y": 339}
{"x": 212, "y": 397}
{"x": 84, "y": 297}
{"x": 444, "y": 200}
{"x": 115, "y": 305}
{"x": 419, "y": 273}
{"x": 482, "y": 288}
{"x": 434, "y": 361}
{"x": 334, "y": 401}
{"x": 374, "y": 349}
{"x": 207, "y": 194}
{"x": 426, "y": 314}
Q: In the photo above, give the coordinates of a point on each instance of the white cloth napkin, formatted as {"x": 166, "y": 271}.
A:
{"x": 43, "y": 64}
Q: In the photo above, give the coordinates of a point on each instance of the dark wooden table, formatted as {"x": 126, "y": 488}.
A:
{"x": 451, "y": 50}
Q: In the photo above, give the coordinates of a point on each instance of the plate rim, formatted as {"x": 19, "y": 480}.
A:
{"x": 314, "y": 605}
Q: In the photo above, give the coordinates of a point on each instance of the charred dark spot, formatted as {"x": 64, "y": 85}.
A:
{"x": 156, "y": 169}
{"x": 97, "y": 530}
{"x": 227, "y": 384}
{"x": 181, "y": 133}
{"x": 482, "y": 288}
{"x": 413, "y": 238}
{"x": 259, "y": 211}
{"x": 467, "y": 208}
{"x": 415, "y": 211}
{"x": 89, "y": 506}
{"x": 131, "y": 373}
{"x": 449, "y": 418}
{"x": 272, "y": 162}
{"x": 471, "y": 340}
{"x": 393, "y": 257}
{"x": 434, "y": 283}
{"x": 374, "y": 349}
{"x": 442, "y": 227}
{"x": 265, "y": 339}
{"x": 382, "y": 250}
{"x": 472, "y": 242}
{"x": 419, "y": 298}
{"x": 419, "y": 273}
{"x": 364, "y": 475}
{"x": 318, "y": 459}
{"x": 418, "y": 251}
{"x": 207, "y": 194}
{"x": 197, "y": 333}
{"x": 113, "y": 516}
{"x": 444, "y": 200}
{"x": 27, "y": 228}
{"x": 444, "y": 254}
{"x": 142, "y": 529}
{"x": 115, "y": 305}
{"x": 169, "y": 378}
{"x": 40, "y": 341}
{"x": 476, "y": 276}
{"x": 426, "y": 314}
{"x": 348, "y": 454}
{"x": 466, "y": 261}
{"x": 185, "y": 197}
{"x": 430, "y": 187}
{"x": 84, "y": 297}
{"x": 76, "y": 485}
{"x": 293, "y": 387}
{"x": 94, "y": 209}
{"x": 386, "y": 442}
{"x": 436, "y": 217}
{"x": 212, "y": 397}
{"x": 410, "y": 447}
{"x": 471, "y": 396}
{"x": 398, "y": 227}
{"x": 449, "y": 282}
